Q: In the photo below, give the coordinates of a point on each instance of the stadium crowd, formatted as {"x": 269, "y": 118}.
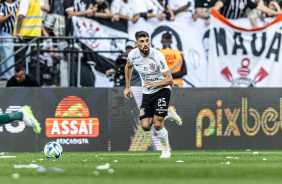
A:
{"x": 28, "y": 18}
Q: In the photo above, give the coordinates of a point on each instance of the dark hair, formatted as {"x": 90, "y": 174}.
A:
{"x": 140, "y": 34}
{"x": 161, "y": 29}
{"x": 166, "y": 36}
{"x": 19, "y": 68}
{"x": 280, "y": 4}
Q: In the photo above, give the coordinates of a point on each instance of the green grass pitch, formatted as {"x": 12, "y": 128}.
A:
{"x": 145, "y": 167}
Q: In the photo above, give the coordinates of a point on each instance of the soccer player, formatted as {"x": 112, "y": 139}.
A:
{"x": 24, "y": 115}
{"x": 156, "y": 80}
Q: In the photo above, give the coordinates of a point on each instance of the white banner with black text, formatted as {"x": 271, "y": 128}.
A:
{"x": 242, "y": 57}
{"x": 225, "y": 55}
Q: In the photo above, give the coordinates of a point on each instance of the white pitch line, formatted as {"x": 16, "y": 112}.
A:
{"x": 7, "y": 156}
{"x": 129, "y": 154}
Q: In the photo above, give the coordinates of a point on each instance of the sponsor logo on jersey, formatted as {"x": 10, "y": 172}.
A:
{"x": 161, "y": 110}
{"x": 152, "y": 77}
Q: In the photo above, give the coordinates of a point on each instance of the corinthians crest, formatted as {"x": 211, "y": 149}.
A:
{"x": 152, "y": 67}
{"x": 142, "y": 112}
{"x": 244, "y": 71}
{"x": 90, "y": 31}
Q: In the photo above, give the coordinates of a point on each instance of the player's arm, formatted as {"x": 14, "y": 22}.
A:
{"x": 165, "y": 82}
{"x": 167, "y": 79}
{"x": 127, "y": 72}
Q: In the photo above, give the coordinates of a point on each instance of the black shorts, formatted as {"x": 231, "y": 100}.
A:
{"x": 155, "y": 104}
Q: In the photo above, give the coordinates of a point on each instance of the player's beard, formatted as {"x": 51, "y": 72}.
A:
{"x": 146, "y": 53}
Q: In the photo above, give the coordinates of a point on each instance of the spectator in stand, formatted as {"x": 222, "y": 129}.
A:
{"x": 48, "y": 24}
{"x": 8, "y": 11}
{"x": 28, "y": 23}
{"x": 77, "y": 8}
{"x": 203, "y": 8}
{"x": 149, "y": 9}
{"x": 234, "y": 9}
{"x": 167, "y": 10}
{"x": 57, "y": 10}
{"x": 125, "y": 10}
{"x": 174, "y": 60}
{"x": 254, "y": 14}
{"x": 21, "y": 79}
{"x": 45, "y": 8}
{"x": 103, "y": 10}
{"x": 273, "y": 5}
{"x": 49, "y": 60}
{"x": 183, "y": 8}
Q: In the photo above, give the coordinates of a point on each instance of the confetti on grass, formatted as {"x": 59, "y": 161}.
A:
{"x": 30, "y": 166}
{"x": 43, "y": 169}
{"x": 96, "y": 173}
{"x": 111, "y": 171}
{"x": 103, "y": 167}
{"x": 16, "y": 176}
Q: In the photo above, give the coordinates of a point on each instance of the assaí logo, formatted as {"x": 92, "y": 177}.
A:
{"x": 269, "y": 121}
{"x": 72, "y": 119}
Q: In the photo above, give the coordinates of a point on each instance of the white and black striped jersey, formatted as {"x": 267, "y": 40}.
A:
{"x": 234, "y": 9}
{"x": 5, "y": 9}
{"x": 77, "y": 5}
